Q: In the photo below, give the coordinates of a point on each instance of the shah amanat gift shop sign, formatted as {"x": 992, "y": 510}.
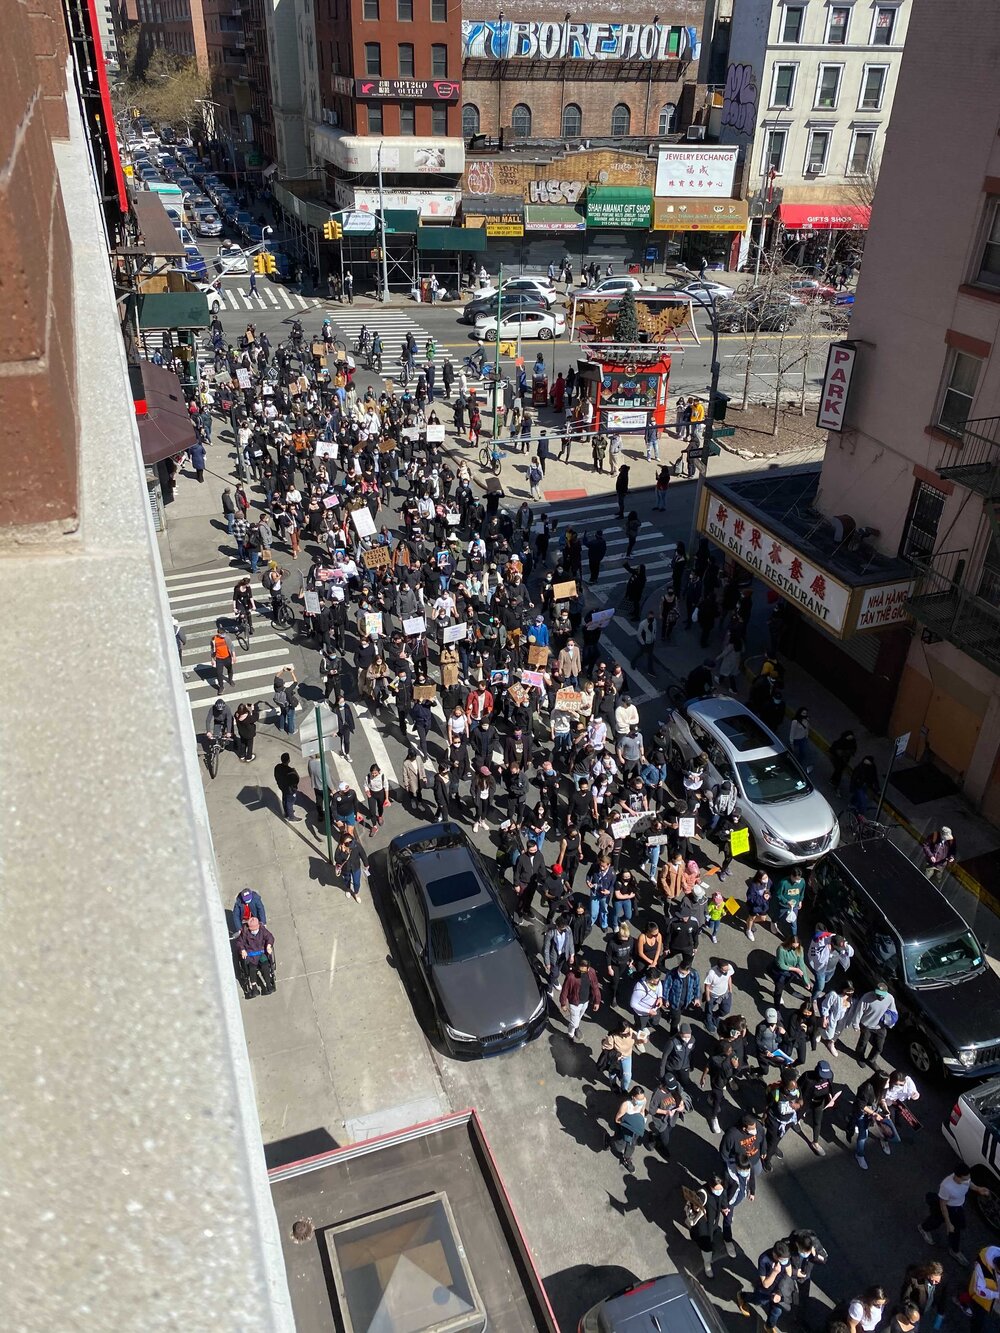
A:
{"x": 808, "y": 586}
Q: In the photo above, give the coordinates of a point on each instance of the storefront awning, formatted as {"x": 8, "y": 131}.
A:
{"x": 699, "y": 215}
{"x": 166, "y": 427}
{"x": 158, "y": 236}
{"x": 824, "y": 217}
{"x": 553, "y": 217}
{"x": 445, "y": 240}
{"x": 619, "y": 206}
{"x": 171, "y": 310}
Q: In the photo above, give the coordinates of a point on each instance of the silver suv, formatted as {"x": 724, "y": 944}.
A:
{"x": 789, "y": 820}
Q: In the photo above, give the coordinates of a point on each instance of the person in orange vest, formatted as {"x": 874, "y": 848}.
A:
{"x": 223, "y": 658}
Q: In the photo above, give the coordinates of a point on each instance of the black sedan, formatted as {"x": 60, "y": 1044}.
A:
{"x": 484, "y": 991}
{"x": 515, "y": 301}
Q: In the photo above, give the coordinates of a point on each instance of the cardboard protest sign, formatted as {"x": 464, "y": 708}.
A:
{"x": 377, "y": 558}
{"x": 386, "y": 445}
{"x": 538, "y": 657}
{"x": 518, "y": 693}
{"x": 371, "y": 623}
{"x": 364, "y": 524}
{"x": 425, "y": 693}
{"x": 563, "y": 591}
{"x": 414, "y": 625}
{"x": 569, "y": 700}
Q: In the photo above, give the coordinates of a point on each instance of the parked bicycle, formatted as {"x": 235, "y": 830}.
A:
{"x": 491, "y": 457}
{"x": 857, "y": 827}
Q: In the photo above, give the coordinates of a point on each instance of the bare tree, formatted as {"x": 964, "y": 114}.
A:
{"x": 861, "y": 189}
{"x": 159, "y": 85}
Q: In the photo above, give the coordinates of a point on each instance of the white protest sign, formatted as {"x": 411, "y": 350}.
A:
{"x": 363, "y": 522}
{"x": 434, "y": 434}
{"x": 657, "y": 839}
{"x": 312, "y": 602}
{"x": 414, "y": 625}
{"x": 600, "y": 619}
{"x": 453, "y": 633}
{"x": 326, "y": 449}
{"x": 686, "y": 827}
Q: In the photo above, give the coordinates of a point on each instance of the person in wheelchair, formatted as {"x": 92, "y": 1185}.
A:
{"x": 255, "y": 949}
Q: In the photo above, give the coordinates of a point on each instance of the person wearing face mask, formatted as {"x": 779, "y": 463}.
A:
{"x": 775, "y": 1290}
{"x": 818, "y": 1097}
{"x": 710, "y": 1218}
{"x": 865, "y": 1312}
{"x": 873, "y": 1014}
{"x": 666, "y": 1108}
{"x": 806, "y": 1253}
{"x": 630, "y": 1126}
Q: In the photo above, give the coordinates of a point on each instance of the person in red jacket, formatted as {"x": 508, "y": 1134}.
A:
{"x": 479, "y": 703}
{"x": 581, "y": 990}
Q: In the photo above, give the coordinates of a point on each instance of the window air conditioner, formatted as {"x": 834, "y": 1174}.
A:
{"x": 695, "y": 132}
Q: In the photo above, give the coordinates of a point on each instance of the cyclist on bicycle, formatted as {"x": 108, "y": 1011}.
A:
{"x": 363, "y": 339}
{"x": 326, "y": 333}
{"x": 243, "y": 602}
{"x": 376, "y": 349}
{"x": 272, "y": 580}
{"x": 477, "y": 360}
{"x": 219, "y": 721}
{"x": 296, "y": 334}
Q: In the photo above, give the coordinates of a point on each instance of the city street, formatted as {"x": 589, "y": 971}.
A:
{"x": 345, "y": 1049}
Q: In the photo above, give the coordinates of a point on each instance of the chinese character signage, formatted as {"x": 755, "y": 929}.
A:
{"x": 503, "y": 39}
{"x": 409, "y": 90}
{"x": 836, "y": 386}
{"x": 812, "y": 589}
{"x": 696, "y": 173}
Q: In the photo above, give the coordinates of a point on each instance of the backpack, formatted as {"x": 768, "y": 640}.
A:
{"x": 291, "y": 697}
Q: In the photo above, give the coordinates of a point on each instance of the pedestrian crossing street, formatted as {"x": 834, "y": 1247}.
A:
{"x": 393, "y": 325}
{"x": 653, "y": 547}
{"x": 267, "y": 297}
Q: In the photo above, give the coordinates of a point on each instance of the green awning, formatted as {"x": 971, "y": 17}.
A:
{"x": 619, "y": 206}
{"x": 171, "y": 310}
{"x": 469, "y": 240}
{"x": 401, "y": 221}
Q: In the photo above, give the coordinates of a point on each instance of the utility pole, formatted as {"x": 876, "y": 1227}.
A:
{"x": 326, "y": 785}
{"x": 381, "y": 213}
{"x": 713, "y": 314}
{"x": 496, "y": 357}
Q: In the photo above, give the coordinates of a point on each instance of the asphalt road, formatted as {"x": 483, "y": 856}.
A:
{"x": 545, "y": 1108}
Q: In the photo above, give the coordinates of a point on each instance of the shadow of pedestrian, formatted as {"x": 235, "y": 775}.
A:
{"x": 583, "y": 1123}
{"x": 322, "y": 872}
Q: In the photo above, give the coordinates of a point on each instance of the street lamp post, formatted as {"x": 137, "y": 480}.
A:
{"x": 713, "y": 316}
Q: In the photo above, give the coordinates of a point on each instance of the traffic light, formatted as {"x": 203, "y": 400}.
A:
{"x": 260, "y": 263}
{"x": 270, "y": 263}
{"x": 333, "y": 231}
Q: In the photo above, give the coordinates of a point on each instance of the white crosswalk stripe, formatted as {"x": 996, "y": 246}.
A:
{"x": 230, "y": 296}
{"x": 653, "y": 547}
{"x": 284, "y": 296}
{"x": 393, "y": 325}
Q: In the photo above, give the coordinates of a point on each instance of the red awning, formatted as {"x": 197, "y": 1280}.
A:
{"x": 166, "y": 428}
{"x": 824, "y": 217}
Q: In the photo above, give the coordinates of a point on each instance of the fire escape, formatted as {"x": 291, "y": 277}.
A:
{"x": 951, "y": 600}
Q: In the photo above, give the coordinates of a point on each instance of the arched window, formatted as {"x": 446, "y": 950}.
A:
{"x": 520, "y": 121}
{"x": 667, "y": 113}
{"x": 621, "y": 121}
{"x": 470, "y": 120}
{"x": 572, "y": 121}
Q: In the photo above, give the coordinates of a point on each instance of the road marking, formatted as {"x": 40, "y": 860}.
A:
{"x": 220, "y": 576}
{"x": 271, "y": 296}
{"x": 651, "y": 690}
{"x": 257, "y": 638}
{"x": 301, "y": 300}
{"x": 230, "y": 297}
{"x": 284, "y": 296}
{"x": 379, "y": 753}
{"x": 268, "y": 670}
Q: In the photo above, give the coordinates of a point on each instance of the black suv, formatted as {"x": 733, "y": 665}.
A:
{"x": 904, "y": 930}
{"x": 485, "y": 994}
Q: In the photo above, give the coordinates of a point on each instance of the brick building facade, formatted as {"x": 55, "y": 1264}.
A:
{"x": 617, "y": 71}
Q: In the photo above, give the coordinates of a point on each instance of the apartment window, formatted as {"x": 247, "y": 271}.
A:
{"x": 961, "y": 378}
{"x": 470, "y": 120}
{"x": 621, "y": 121}
{"x": 989, "y": 580}
{"x": 818, "y": 152}
{"x": 828, "y": 86}
{"x": 439, "y": 11}
{"x": 774, "y": 151}
{"x": 884, "y": 25}
{"x": 862, "y": 146}
{"x": 666, "y": 121}
{"x": 520, "y": 121}
{"x": 439, "y": 120}
{"x": 989, "y": 262}
{"x": 373, "y": 58}
{"x": 791, "y": 23}
{"x": 406, "y": 60}
{"x": 572, "y": 121}
{"x": 371, "y": 10}
{"x": 921, "y": 527}
{"x": 404, "y": 11}
{"x": 873, "y": 87}
{"x": 837, "y": 23}
{"x": 439, "y": 61}
{"x": 407, "y": 117}
{"x": 783, "y": 85}
{"x": 375, "y": 120}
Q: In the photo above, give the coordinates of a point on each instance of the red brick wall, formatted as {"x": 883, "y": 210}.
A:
{"x": 38, "y": 476}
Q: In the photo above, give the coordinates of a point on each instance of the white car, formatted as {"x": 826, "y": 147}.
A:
{"x": 973, "y": 1130}
{"x": 542, "y": 324}
{"x": 704, "y": 291}
{"x": 215, "y": 301}
{"x": 231, "y": 259}
{"x": 536, "y": 286}
{"x": 617, "y": 287}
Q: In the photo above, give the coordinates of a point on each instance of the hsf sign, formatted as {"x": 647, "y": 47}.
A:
{"x": 836, "y": 386}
